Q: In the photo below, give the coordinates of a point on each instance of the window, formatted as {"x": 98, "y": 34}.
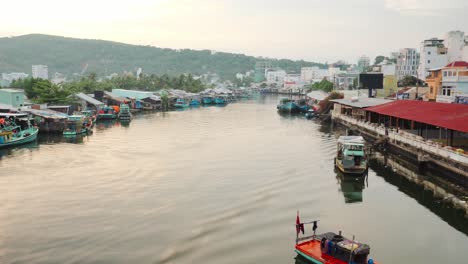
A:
{"x": 428, "y": 53}
{"x": 428, "y": 61}
{"x": 448, "y": 92}
{"x": 17, "y": 98}
{"x": 432, "y": 90}
{"x": 445, "y": 74}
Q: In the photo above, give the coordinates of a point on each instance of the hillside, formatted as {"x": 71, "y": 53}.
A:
{"x": 69, "y": 55}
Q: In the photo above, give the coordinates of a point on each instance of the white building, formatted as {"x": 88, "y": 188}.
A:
{"x": 292, "y": 81}
{"x": 388, "y": 69}
{"x": 9, "y": 77}
{"x": 455, "y": 43}
{"x": 407, "y": 63}
{"x": 40, "y": 71}
{"x": 433, "y": 55}
{"x": 275, "y": 76}
{"x": 313, "y": 74}
{"x": 58, "y": 78}
{"x": 454, "y": 83}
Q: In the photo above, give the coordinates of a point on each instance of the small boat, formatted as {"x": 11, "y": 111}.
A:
{"x": 287, "y": 106}
{"x": 207, "y": 100}
{"x": 124, "y": 113}
{"x": 351, "y": 156}
{"x": 194, "y": 102}
{"x": 219, "y": 100}
{"x": 16, "y": 129}
{"x": 181, "y": 103}
{"x": 302, "y": 105}
{"x": 330, "y": 248}
{"x": 311, "y": 113}
{"x": 76, "y": 125}
{"x": 89, "y": 114}
{"x": 106, "y": 113}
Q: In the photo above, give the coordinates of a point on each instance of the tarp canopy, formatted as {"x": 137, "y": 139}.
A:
{"x": 450, "y": 116}
{"x": 89, "y": 99}
{"x": 317, "y": 95}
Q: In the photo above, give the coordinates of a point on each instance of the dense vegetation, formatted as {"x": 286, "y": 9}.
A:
{"x": 43, "y": 91}
{"x": 70, "y": 55}
{"x": 323, "y": 85}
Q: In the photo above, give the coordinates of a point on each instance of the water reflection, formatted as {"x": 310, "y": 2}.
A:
{"x": 50, "y": 139}
{"x": 12, "y": 150}
{"x": 104, "y": 124}
{"x": 351, "y": 187}
{"x": 385, "y": 167}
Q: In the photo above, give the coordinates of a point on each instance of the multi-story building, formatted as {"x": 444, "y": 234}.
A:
{"x": 313, "y": 74}
{"x": 40, "y": 71}
{"x": 454, "y": 87}
{"x": 363, "y": 63}
{"x": 275, "y": 76}
{"x": 292, "y": 81}
{"x": 9, "y": 77}
{"x": 433, "y": 55}
{"x": 346, "y": 81}
{"x": 455, "y": 43}
{"x": 407, "y": 63}
{"x": 434, "y": 82}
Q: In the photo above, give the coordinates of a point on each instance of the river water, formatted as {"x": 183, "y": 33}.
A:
{"x": 208, "y": 185}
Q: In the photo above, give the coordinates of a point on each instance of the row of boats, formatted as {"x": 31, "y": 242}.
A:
{"x": 206, "y": 100}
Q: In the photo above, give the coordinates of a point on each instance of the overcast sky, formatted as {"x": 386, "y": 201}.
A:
{"x": 315, "y": 30}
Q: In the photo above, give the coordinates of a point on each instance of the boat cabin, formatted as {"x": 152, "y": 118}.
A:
{"x": 351, "y": 155}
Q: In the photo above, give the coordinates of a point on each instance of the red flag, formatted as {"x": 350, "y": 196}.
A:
{"x": 299, "y": 226}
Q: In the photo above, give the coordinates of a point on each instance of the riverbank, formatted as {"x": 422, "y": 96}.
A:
{"x": 426, "y": 157}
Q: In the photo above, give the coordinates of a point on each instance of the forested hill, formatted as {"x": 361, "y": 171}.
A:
{"x": 70, "y": 55}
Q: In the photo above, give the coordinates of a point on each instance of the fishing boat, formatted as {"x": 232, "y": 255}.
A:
{"x": 16, "y": 129}
{"x": 302, "y": 105}
{"x": 287, "y": 106}
{"x": 195, "y": 102}
{"x": 330, "y": 248}
{"x": 220, "y": 100}
{"x": 181, "y": 103}
{"x": 89, "y": 114}
{"x": 207, "y": 100}
{"x": 311, "y": 113}
{"x": 76, "y": 125}
{"x": 351, "y": 156}
{"x": 124, "y": 113}
{"x": 106, "y": 113}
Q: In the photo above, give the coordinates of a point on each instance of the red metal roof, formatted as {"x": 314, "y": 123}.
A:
{"x": 451, "y": 116}
{"x": 457, "y": 64}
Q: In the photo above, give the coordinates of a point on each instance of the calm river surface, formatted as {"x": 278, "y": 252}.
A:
{"x": 209, "y": 185}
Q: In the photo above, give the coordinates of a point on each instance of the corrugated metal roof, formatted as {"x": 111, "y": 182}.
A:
{"x": 362, "y": 102}
{"x": 450, "y": 116}
{"x": 89, "y": 99}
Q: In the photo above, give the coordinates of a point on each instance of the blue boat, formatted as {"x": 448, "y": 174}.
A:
{"x": 288, "y": 106}
{"x": 220, "y": 100}
{"x": 207, "y": 100}
{"x": 16, "y": 129}
{"x": 181, "y": 103}
{"x": 195, "y": 102}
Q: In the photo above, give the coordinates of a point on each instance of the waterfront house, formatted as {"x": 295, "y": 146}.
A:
{"x": 454, "y": 87}
{"x": 87, "y": 102}
{"x": 49, "y": 121}
{"x": 12, "y": 97}
{"x": 434, "y": 81}
{"x": 355, "y": 107}
{"x": 439, "y": 122}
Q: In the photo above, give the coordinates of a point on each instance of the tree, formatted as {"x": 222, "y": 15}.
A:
{"x": 323, "y": 85}
{"x": 408, "y": 80}
{"x": 379, "y": 59}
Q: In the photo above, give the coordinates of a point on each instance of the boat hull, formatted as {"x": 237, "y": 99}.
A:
{"x": 207, "y": 101}
{"x": 356, "y": 171}
{"x": 220, "y": 101}
{"x": 26, "y": 139}
{"x": 106, "y": 116}
{"x": 290, "y": 107}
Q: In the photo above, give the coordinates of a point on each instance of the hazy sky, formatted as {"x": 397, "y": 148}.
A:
{"x": 316, "y": 30}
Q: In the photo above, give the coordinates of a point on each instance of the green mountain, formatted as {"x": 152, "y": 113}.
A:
{"x": 71, "y": 55}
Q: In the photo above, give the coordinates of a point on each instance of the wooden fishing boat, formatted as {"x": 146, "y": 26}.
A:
{"x": 351, "y": 157}
{"x": 287, "y": 106}
{"x": 106, "y": 113}
{"x": 125, "y": 113}
{"x": 16, "y": 129}
{"x": 330, "y": 248}
{"x": 207, "y": 100}
{"x": 194, "y": 102}
{"x": 181, "y": 103}
{"x": 76, "y": 125}
{"x": 220, "y": 100}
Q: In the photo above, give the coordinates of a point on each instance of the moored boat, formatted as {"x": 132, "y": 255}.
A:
{"x": 106, "y": 113}
{"x": 220, "y": 100}
{"x": 195, "y": 102}
{"x": 287, "y": 106}
{"x": 125, "y": 113}
{"x": 181, "y": 103}
{"x": 330, "y": 248}
{"x": 351, "y": 157}
{"x": 76, "y": 125}
{"x": 207, "y": 100}
{"x": 16, "y": 129}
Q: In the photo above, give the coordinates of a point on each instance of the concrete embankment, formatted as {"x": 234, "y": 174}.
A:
{"x": 422, "y": 156}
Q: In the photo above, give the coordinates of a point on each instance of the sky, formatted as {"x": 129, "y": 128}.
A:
{"x": 313, "y": 30}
